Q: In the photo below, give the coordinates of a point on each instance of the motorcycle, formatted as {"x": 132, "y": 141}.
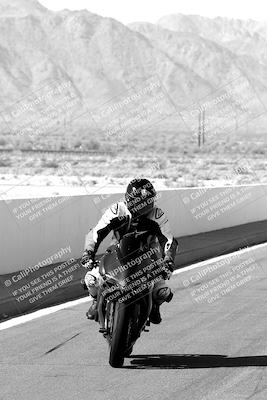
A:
{"x": 128, "y": 273}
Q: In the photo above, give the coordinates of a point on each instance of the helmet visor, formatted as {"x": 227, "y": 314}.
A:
{"x": 140, "y": 202}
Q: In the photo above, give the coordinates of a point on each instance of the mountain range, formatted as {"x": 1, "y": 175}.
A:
{"x": 193, "y": 57}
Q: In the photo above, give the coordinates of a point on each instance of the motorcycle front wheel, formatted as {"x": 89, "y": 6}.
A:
{"x": 119, "y": 334}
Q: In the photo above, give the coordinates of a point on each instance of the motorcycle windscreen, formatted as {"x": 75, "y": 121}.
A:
{"x": 134, "y": 262}
{"x": 110, "y": 265}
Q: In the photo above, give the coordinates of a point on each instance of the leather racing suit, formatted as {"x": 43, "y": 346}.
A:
{"x": 118, "y": 219}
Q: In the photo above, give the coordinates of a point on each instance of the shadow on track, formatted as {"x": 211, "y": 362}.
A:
{"x": 188, "y": 361}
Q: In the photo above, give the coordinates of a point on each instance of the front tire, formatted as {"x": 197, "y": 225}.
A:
{"x": 119, "y": 335}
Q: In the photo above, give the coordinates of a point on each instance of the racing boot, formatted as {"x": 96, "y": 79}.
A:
{"x": 155, "y": 317}
{"x": 165, "y": 295}
{"x": 92, "y": 312}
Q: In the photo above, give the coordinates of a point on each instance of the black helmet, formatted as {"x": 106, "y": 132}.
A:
{"x": 140, "y": 195}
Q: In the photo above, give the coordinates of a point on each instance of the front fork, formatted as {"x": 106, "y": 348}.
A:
{"x": 103, "y": 316}
{"x": 100, "y": 309}
{"x": 149, "y": 303}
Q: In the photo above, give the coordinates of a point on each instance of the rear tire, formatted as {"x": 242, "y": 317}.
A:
{"x": 119, "y": 335}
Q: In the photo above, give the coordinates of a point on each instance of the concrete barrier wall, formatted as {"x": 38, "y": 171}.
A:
{"x": 41, "y": 239}
{"x": 34, "y": 230}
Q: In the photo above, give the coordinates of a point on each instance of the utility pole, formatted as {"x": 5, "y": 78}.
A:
{"x": 201, "y": 128}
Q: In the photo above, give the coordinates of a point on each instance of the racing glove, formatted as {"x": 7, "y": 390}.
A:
{"x": 88, "y": 259}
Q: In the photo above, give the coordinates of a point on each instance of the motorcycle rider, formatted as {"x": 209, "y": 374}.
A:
{"x": 137, "y": 206}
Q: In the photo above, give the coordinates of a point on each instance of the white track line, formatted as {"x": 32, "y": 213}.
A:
{"x": 41, "y": 313}
{"x": 219, "y": 258}
{"x": 50, "y": 310}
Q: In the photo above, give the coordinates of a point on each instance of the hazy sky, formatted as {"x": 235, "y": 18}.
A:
{"x": 148, "y": 10}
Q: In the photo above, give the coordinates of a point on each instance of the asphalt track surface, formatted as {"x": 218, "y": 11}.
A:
{"x": 205, "y": 349}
